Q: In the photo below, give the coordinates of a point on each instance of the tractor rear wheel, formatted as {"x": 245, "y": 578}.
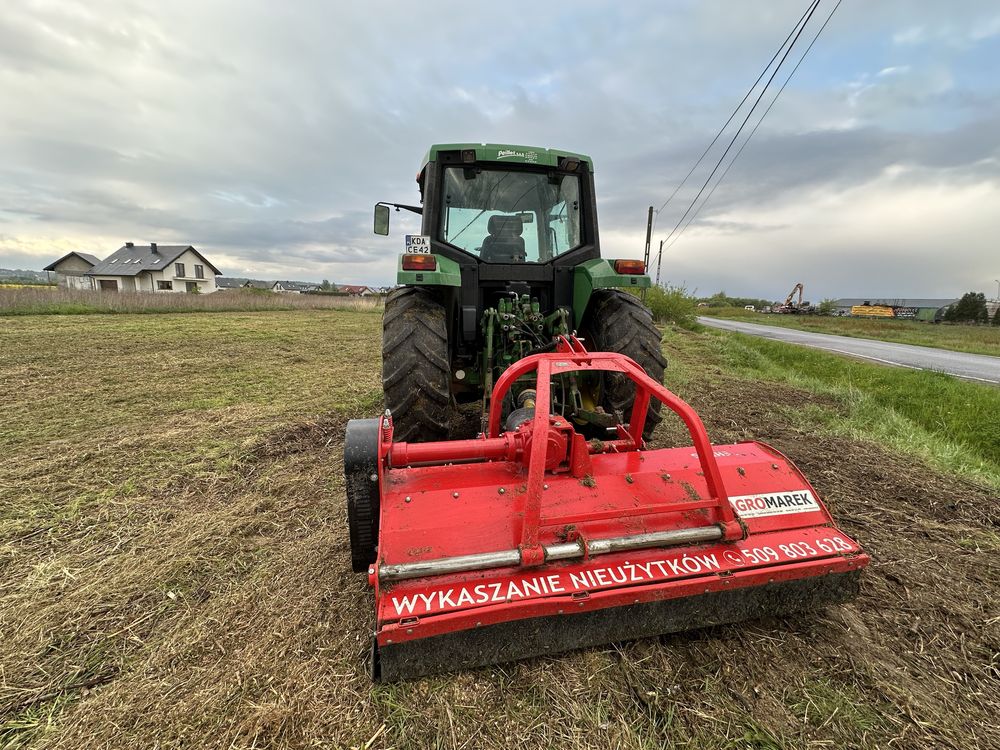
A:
{"x": 415, "y": 372}
{"x": 619, "y": 322}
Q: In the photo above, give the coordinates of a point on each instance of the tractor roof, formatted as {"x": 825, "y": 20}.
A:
{"x": 506, "y": 152}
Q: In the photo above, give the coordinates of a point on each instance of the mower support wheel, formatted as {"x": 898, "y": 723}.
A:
{"x": 618, "y": 322}
{"x": 361, "y": 480}
{"x": 416, "y": 376}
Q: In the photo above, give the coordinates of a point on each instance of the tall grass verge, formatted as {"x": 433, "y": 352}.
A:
{"x": 957, "y": 337}
{"x": 946, "y": 421}
{"x": 26, "y": 301}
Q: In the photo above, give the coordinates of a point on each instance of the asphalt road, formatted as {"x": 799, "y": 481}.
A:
{"x": 969, "y": 366}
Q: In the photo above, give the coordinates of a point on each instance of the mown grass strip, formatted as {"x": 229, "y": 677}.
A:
{"x": 951, "y": 423}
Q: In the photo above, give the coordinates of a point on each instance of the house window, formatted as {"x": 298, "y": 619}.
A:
{"x": 192, "y": 287}
{"x": 165, "y": 286}
{"x": 179, "y": 270}
{"x": 199, "y": 272}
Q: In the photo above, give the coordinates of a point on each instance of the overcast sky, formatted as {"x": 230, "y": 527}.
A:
{"x": 263, "y": 132}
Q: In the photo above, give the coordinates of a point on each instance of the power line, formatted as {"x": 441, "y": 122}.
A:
{"x": 738, "y": 106}
{"x": 744, "y": 145}
{"x": 743, "y": 124}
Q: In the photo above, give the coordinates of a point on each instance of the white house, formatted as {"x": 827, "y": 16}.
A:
{"x": 154, "y": 268}
{"x": 293, "y": 287}
{"x": 71, "y": 270}
{"x": 356, "y": 290}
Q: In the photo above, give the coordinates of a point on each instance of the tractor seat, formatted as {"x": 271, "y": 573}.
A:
{"x": 504, "y": 243}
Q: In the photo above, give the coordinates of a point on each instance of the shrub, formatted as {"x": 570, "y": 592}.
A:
{"x": 672, "y": 304}
{"x": 827, "y": 307}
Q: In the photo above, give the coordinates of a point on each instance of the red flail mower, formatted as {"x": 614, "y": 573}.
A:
{"x": 535, "y": 540}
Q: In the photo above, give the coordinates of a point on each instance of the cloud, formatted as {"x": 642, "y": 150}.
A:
{"x": 263, "y": 133}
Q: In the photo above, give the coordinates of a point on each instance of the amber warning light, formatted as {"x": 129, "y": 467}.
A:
{"x": 419, "y": 263}
{"x": 630, "y": 266}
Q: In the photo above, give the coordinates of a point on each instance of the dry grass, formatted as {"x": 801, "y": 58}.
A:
{"x": 54, "y": 301}
{"x": 173, "y": 571}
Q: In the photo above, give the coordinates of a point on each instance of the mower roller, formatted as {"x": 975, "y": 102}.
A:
{"x": 531, "y": 539}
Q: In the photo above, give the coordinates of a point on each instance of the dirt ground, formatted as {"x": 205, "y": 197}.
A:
{"x": 220, "y": 611}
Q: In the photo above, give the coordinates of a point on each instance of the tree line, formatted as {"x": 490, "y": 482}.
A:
{"x": 971, "y": 309}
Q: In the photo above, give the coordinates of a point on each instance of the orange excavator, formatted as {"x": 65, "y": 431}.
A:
{"x": 792, "y": 307}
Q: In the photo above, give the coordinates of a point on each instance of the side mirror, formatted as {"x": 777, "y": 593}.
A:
{"x": 381, "y": 219}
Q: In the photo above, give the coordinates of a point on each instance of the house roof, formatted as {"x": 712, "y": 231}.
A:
{"x": 224, "y": 282}
{"x": 91, "y": 259}
{"x": 352, "y": 288}
{"x": 899, "y": 301}
{"x": 297, "y": 286}
{"x": 131, "y": 261}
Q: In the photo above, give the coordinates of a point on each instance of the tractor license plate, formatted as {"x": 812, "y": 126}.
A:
{"x": 419, "y": 244}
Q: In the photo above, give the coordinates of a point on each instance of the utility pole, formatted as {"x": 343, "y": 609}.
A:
{"x": 998, "y": 289}
{"x": 649, "y": 235}
{"x": 659, "y": 260}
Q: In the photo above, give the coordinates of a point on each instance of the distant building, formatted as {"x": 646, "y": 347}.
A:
{"x": 71, "y": 270}
{"x": 293, "y": 287}
{"x": 922, "y": 309}
{"x": 224, "y": 282}
{"x": 154, "y": 268}
{"x": 355, "y": 290}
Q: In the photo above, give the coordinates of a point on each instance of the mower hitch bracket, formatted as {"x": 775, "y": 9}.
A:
{"x": 571, "y": 356}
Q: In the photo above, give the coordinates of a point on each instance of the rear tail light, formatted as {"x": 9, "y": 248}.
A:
{"x": 630, "y": 266}
{"x": 419, "y": 263}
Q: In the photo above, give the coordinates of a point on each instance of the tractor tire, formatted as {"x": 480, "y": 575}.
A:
{"x": 362, "y": 490}
{"x": 619, "y": 322}
{"x": 416, "y": 375}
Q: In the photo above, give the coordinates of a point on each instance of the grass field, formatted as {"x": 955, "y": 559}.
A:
{"x": 173, "y": 571}
{"x": 958, "y": 338}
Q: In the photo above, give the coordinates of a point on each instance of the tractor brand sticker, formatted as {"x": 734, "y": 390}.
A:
{"x": 418, "y": 244}
{"x": 508, "y": 153}
{"x": 787, "y": 548}
{"x": 774, "y": 504}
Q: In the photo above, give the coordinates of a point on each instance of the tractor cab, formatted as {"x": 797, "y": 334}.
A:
{"x": 511, "y": 215}
{"x": 485, "y": 203}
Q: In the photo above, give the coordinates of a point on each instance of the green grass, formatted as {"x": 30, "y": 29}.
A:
{"x": 957, "y": 338}
{"x": 949, "y": 422}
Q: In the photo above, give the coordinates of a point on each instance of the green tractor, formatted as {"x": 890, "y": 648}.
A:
{"x": 507, "y": 260}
